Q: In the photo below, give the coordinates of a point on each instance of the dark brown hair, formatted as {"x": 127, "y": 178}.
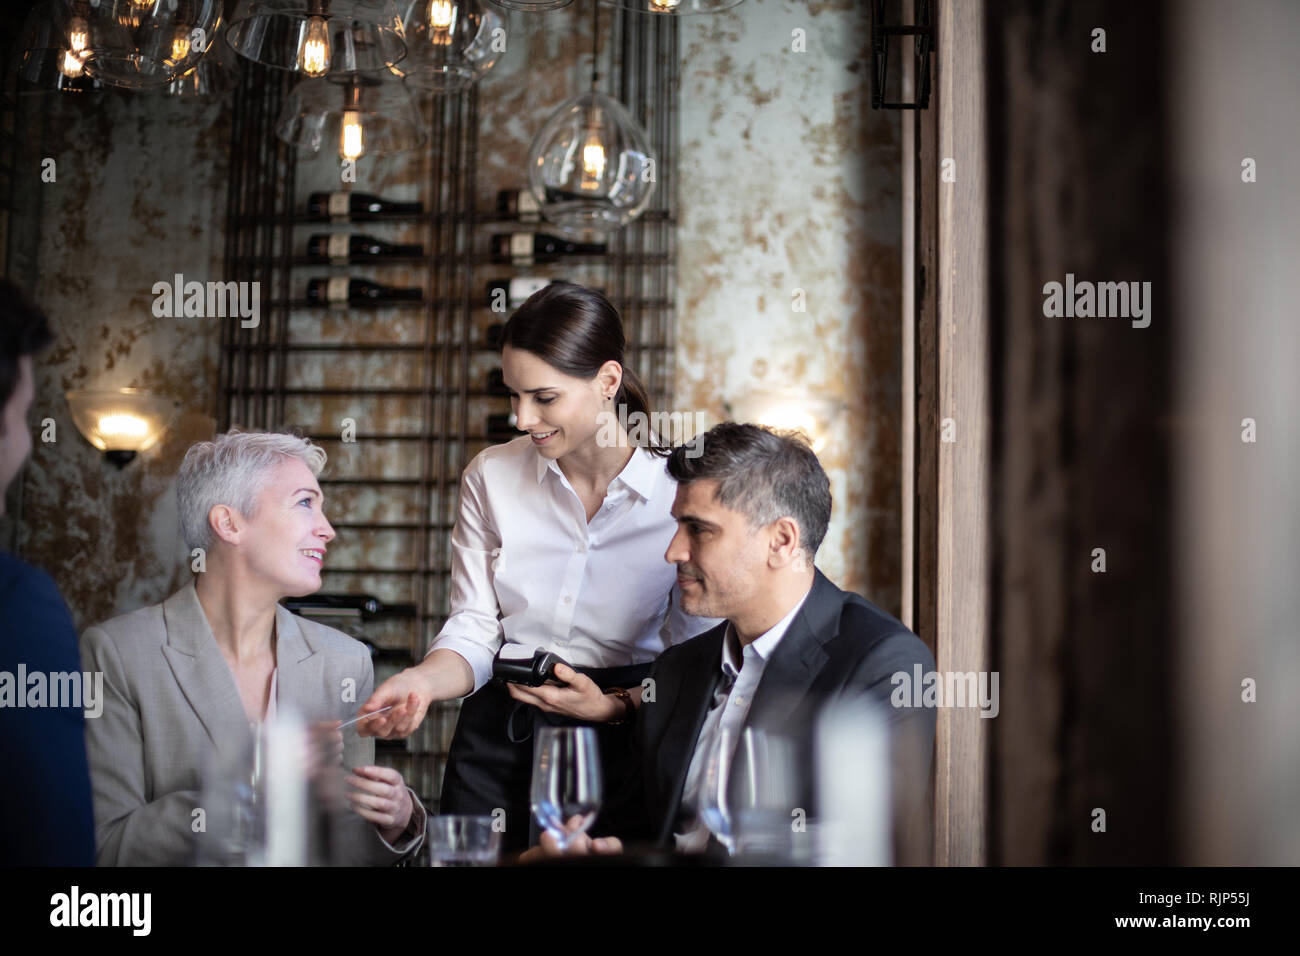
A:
{"x": 24, "y": 330}
{"x": 576, "y": 330}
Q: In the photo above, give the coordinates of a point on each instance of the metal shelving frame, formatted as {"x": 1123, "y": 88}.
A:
{"x": 263, "y": 208}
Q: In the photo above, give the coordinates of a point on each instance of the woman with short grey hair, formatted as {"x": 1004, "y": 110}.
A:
{"x": 198, "y": 672}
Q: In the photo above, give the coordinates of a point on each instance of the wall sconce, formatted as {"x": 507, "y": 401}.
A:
{"x": 922, "y": 47}
{"x": 120, "y": 422}
{"x": 789, "y": 409}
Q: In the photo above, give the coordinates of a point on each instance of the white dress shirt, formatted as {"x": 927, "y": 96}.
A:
{"x": 741, "y": 672}
{"x": 528, "y": 568}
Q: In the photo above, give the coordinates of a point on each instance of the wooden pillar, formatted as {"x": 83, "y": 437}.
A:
{"x": 1077, "y": 173}
{"x": 948, "y": 548}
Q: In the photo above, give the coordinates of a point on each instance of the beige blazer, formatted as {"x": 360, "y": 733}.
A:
{"x": 170, "y": 699}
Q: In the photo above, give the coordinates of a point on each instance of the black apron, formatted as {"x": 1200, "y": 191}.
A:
{"x": 490, "y": 764}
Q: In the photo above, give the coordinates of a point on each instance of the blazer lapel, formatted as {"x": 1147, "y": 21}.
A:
{"x": 300, "y": 672}
{"x": 684, "y": 717}
{"x": 201, "y": 671}
{"x": 798, "y": 658}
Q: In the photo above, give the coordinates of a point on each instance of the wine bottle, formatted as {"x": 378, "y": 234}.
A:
{"x": 341, "y": 289}
{"x": 336, "y": 605}
{"x": 342, "y": 247}
{"x": 502, "y": 428}
{"x": 496, "y": 382}
{"x": 527, "y": 248}
{"x": 350, "y": 205}
{"x": 511, "y": 293}
{"x": 519, "y": 202}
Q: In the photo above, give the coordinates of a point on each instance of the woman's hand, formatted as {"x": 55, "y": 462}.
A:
{"x": 579, "y": 845}
{"x": 380, "y": 796}
{"x": 582, "y": 698}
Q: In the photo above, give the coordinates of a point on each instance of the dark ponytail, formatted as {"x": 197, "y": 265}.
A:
{"x": 577, "y": 330}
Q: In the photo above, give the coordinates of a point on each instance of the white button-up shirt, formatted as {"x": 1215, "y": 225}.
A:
{"x": 528, "y": 568}
{"x": 741, "y": 673}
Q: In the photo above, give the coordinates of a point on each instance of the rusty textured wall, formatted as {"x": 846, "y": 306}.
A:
{"x": 139, "y": 195}
{"x": 789, "y": 181}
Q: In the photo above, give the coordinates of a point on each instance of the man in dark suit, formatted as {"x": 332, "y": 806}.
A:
{"x": 752, "y": 509}
{"x": 45, "y": 810}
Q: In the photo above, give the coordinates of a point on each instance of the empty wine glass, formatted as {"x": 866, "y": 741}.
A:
{"x": 566, "y": 780}
{"x": 765, "y": 795}
{"x": 715, "y": 809}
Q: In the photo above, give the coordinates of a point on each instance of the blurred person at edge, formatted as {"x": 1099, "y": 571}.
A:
{"x": 751, "y": 512}
{"x": 221, "y": 656}
{"x": 557, "y": 545}
{"x": 45, "y": 804}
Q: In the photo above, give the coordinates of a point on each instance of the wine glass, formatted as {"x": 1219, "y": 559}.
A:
{"x": 764, "y": 809}
{"x": 566, "y": 780}
{"x": 715, "y": 809}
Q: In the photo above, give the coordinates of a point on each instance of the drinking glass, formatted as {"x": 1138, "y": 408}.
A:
{"x": 456, "y": 840}
{"x": 715, "y": 808}
{"x": 566, "y": 780}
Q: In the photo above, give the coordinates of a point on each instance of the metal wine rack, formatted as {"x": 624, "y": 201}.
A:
{"x": 413, "y": 379}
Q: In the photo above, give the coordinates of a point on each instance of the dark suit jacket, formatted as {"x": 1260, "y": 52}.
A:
{"x": 839, "y": 644}
{"x": 45, "y": 810}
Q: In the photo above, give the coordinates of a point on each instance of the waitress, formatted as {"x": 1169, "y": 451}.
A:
{"x": 559, "y": 544}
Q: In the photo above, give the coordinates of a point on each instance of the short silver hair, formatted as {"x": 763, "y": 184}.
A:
{"x": 231, "y": 471}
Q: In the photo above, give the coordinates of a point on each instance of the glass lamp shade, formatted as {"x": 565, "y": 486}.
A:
{"x": 357, "y": 115}
{"x": 674, "y": 8}
{"x": 215, "y": 74}
{"x": 590, "y": 166}
{"x": 319, "y": 37}
{"x": 45, "y": 60}
{"x": 123, "y": 420}
{"x": 136, "y": 46}
{"x": 532, "y": 5}
{"x": 449, "y": 43}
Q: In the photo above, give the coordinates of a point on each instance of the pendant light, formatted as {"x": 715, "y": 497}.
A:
{"x": 357, "y": 114}
{"x": 133, "y": 46}
{"x": 532, "y": 6}
{"x": 590, "y": 165}
{"x": 674, "y": 8}
{"x": 318, "y": 37}
{"x": 46, "y": 60}
{"x": 217, "y": 73}
{"x": 450, "y": 43}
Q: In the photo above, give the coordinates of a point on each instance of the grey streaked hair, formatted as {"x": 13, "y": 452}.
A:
{"x": 762, "y": 473}
{"x": 231, "y": 471}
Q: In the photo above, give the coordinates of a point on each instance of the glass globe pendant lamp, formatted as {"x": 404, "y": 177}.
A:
{"x": 215, "y": 74}
{"x": 532, "y": 6}
{"x": 450, "y": 43}
{"x": 318, "y": 37}
{"x": 47, "y": 60}
{"x": 357, "y": 114}
{"x": 590, "y": 167}
{"x": 674, "y": 8}
{"x": 135, "y": 46}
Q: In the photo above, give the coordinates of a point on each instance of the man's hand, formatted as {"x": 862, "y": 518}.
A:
{"x": 582, "y": 698}
{"x": 410, "y": 695}
{"x": 579, "y": 845}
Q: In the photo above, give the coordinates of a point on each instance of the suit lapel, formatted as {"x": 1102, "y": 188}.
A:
{"x": 798, "y": 658}
{"x": 300, "y": 672}
{"x": 200, "y": 670}
{"x": 683, "y": 719}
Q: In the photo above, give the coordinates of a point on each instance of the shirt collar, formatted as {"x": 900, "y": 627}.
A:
{"x": 763, "y": 645}
{"x": 639, "y": 474}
